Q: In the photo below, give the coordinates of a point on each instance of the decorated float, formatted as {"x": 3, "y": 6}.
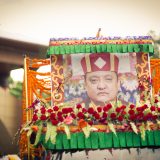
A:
{"x": 60, "y": 112}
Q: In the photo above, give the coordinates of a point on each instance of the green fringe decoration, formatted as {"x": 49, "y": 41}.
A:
{"x": 100, "y": 48}
{"x": 108, "y": 139}
{"x": 48, "y": 133}
{"x": 59, "y": 141}
{"x": 150, "y": 136}
{"x": 129, "y": 139}
{"x": 94, "y": 140}
{"x": 50, "y": 145}
{"x": 122, "y": 138}
{"x": 74, "y": 141}
{"x": 116, "y": 143}
{"x": 66, "y": 142}
{"x": 101, "y": 140}
{"x": 157, "y": 137}
{"x": 136, "y": 140}
{"x": 38, "y": 135}
{"x": 88, "y": 142}
{"x": 144, "y": 142}
{"x": 81, "y": 141}
{"x": 101, "y": 136}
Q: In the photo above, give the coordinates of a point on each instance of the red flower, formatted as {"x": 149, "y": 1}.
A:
{"x": 90, "y": 123}
{"x": 156, "y": 101}
{"x": 55, "y": 108}
{"x": 139, "y": 109}
{"x": 123, "y": 107}
{"x": 54, "y": 122}
{"x": 140, "y": 116}
{"x": 97, "y": 116}
{"x": 103, "y": 121}
{"x": 132, "y": 106}
{"x": 70, "y": 110}
{"x": 141, "y": 87}
{"x": 73, "y": 115}
{"x": 120, "y": 118}
{"x": 105, "y": 115}
{"x": 118, "y": 109}
{"x": 94, "y": 113}
{"x": 53, "y": 116}
{"x": 35, "y": 117}
{"x": 36, "y": 101}
{"x": 149, "y": 116}
{"x": 113, "y": 115}
{"x": 107, "y": 107}
{"x": 65, "y": 110}
{"x": 59, "y": 114}
{"x": 153, "y": 108}
{"x": 36, "y": 110}
{"x": 84, "y": 110}
{"x": 131, "y": 112}
{"x": 154, "y": 117}
{"x": 31, "y": 106}
{"x": 78, "y": 106}
{"x": 49, "y": 110}
{"x": 80, "y": 115}
{"x": 43, "y": 117}
{"x": 60, "y": 118}
{"x": 43, "y": 110}
{"x": 145, "y": 118}
{"x": 90, "y": 110}
{"x": 145, "y": 106}
{"x": 99, "y": 109}
{"x": 132, "y": 117}
{"x": 158, "y": 109}
{"x": 123, "y": 113}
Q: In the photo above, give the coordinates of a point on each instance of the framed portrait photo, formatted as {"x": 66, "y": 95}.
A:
{"x": 95, "y": 79}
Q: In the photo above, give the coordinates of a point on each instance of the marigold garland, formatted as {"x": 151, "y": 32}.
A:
{"x": 155, "y": 71}
{"x": 99, "y": 41}
{"x": 34, "y": 85}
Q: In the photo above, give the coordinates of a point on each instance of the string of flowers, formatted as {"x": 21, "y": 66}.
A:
{"x": 101, "y": 40}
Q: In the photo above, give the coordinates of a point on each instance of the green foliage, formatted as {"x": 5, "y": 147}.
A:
{"x": 38, "y": 135}
{"x": 29, "y": 132}
{"x": 67, "y": 131}
{"x": 48, "y": 133}
{"x": 134, "y": 127}
{"x": 156, "y": 40}
{"x": 53, "y": 130}
{"x": 142, "y": 131}
{"x": 86, "y": 130}
{"x": 15, "y": 88}
{"x": 111, "y": 127}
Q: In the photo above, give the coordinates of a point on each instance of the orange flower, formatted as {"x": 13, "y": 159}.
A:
{"x": 34, "y": 128}
{"x": 82, "y": 123}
